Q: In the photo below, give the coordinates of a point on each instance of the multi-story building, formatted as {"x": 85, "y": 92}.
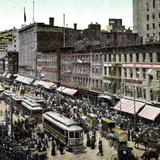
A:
{"x": 117, "y": 35}
{"x": 82, "y": 70}
{"x": 36, "y": 40}
{"x": 9, "y": 47}
{"x": 133, "y": 71}
{"x": 47, "y": 66}
{"x": 146, "y": 19}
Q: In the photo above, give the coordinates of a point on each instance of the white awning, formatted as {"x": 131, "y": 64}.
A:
{"x": 8, "y": 75}
{"x": 105, "y": 96}
{"x": 24, "y": 79}
{"x": 129, "y": 106}
{"x": 68, "y": 91}
{"x": 4, "y": 74}
{"x": 149, "y": 112}
{"x": 45, "y": 84}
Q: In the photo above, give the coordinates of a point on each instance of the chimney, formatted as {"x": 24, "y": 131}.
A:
{"x": 51, "y": 21}
{"x": 75, "y": 26}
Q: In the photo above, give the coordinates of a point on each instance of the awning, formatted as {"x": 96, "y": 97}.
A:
{"x": 19, "y": 78}
{"x": 23, "y": 79}
{"x": 3, "y": 55}
{"x": 68, "y": 91}
{"x": 149, "y": 112}
{"x": 127, "y": 106}
{"x": 4, "y": 74}
{"x": 105, "y": 96}
{"x": 8, "y": 75}
{"x": 47, "y": 85}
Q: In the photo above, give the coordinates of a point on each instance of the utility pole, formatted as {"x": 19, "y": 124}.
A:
{"x": 33, "y": 11}
{"x": 134, "y": 107}
{"x": 64, "y": 43}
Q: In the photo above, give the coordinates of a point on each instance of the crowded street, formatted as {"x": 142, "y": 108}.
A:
{"x": 36, "y": 143}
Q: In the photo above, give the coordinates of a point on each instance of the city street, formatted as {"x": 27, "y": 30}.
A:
{"x": 89, "y": 154}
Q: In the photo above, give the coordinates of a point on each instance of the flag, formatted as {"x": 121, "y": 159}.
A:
{"x": 24, "y": 15}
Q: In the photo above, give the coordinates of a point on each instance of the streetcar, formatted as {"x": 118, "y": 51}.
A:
{"x": 32, "y": 109}
{"x": 66, "y": 130}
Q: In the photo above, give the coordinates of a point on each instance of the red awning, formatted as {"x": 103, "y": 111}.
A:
{"x": 127, "y": 106}
{"x": 149, "y": 112}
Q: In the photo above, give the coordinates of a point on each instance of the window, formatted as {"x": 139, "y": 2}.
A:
{"x": 158, "y": 56}
{"x": 144, "y": 73}
{"x": 144, "y": 57}
{"x": 137, "y": 72}
{"x": 159, "y": 15}
{"x": 131, "y": 57}
{"x": 153, "y": 25}
{"x": 105, "y": 58}
{"x": 131, "y": 73}
{"x": 109, "y": 58}
{"x": 137, "y": 57}
{"x": 119, "y": 72}
{"x": 71, "y": 134}
{"x": 114, "y": 57}
{"x": 147, "y": 26}
{"x": 147, "y": 6}
{"x": 153, "y": 16}
{"x": 147, "y": 17}
{"x": 110, "y": 70}
{"x": 147, "y": 34}
{"x": 154, "y": 2}
{"x": 151, "y": 94}
{"x": 158, "y": 75}
{"x": 125, "y": 72}
{"x": 150, "y": 57}
{"x": 119, "y": 57}
{"x": 105, "y": 70}
{"x": 144, "y": 93}
{"x": 125, "y": 57}
{"x": 159, "y": 25}
{"x": 77, "y": 134}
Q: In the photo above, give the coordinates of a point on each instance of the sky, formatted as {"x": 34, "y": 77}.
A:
{"x": 82, "y": 12}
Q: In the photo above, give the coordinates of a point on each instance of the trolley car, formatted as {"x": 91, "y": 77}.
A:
{"x": 65, "y": 129}
{"x": 32, "y": 109}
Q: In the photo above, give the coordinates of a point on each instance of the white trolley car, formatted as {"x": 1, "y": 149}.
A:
{"x": 66, "y": 130}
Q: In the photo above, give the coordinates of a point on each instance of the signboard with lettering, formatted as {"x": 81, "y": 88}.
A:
{"x": 152, "y": 66}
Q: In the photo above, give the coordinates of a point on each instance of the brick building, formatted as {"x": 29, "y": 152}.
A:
{"x": 135, "y": 69}
{"x": 146, "y": 19}
{"x": 118, "y": 35}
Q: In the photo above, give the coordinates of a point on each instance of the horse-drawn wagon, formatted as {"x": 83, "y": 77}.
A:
{"x": 107, "y": 125}
{"x": 118, "y": 137}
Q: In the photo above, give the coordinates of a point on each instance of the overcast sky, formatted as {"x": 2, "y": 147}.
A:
{"x": 82, "y": 12}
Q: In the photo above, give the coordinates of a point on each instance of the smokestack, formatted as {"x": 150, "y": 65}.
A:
{"x": 75, "y": 26}
{"x": 51, "y": 21}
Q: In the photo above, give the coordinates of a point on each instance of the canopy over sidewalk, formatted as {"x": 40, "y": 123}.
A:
{"x": 149, "y": 112}
{"x": 128, "y": 106}
{"x": 68, "y": 91}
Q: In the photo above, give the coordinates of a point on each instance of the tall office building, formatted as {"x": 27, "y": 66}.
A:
{"x": 146, "y": 19}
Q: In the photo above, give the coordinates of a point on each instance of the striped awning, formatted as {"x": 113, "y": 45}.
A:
{"x": 129, "y": 106}
{"x": 149, "y": 112}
